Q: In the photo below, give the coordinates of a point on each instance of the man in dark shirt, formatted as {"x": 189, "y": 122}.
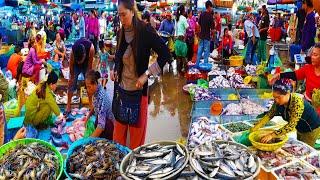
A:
{"x": 263, "y": 29}
{"x": 301, "y": 16}
{"x": 206, "y": 25}
{"x": 309, "y": 27}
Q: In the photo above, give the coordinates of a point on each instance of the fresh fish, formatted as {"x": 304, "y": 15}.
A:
{"x": 251, "y": 162}
{"x": 226, "y": 169}
{"x": 158, "y": 161}
{"x": 214, "y": 172}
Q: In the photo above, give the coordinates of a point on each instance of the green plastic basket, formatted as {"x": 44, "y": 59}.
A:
{"x": 12, "y": 144}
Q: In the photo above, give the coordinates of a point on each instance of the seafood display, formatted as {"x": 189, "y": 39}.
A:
{"x": 63, "y": 99}
{"x": 271, "y": 160}
{"x": 297, "y": 171}
{"x": 219, "y": 82}
{"x": 202, "y": 130}
{"x": 314, "y": 161}
{"x": 217, "y": 71}
{"x": 156, "y": 161}
{"x": 97, "y": 160}
{"x": 251, "y": 69}
{"x": 236, "y": 81}
{"x": 232, "y": 109}
{"x": 30, "y": 88}
{"x": 269, "y": 124}
{"x": 202, "y": 94}
{"x": 224, "y": 160}
{"x": 77, "y": 129}
{"x": 31, "y": 161}
{"x": 237, "y": 127}
{"x": 297, "y": 148}
{"x": 249, "y": 107}
{"x": 188, "y": 174}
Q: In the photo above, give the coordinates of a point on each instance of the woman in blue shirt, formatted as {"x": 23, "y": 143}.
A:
{"x": 167, "y": 26}
{"x": 102, "y": 107}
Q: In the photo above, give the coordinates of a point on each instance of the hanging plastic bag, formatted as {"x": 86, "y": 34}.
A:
{"x": 203, "y": 83}
{"x": 180, "y": 48}
{"x": 89, "y": 128}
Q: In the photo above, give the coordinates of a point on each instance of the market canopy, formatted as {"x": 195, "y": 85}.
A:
{"x": 274, "y": 2}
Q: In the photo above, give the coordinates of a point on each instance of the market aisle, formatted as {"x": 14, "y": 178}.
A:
{"x": 169, "y": 110}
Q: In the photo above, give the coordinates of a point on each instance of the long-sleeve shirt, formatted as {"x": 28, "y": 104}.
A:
{"x": 309, "y": 32}
{"x": 102, "y": 108}
{"x": 248, "y": 26}
{"x": 31, "y": 60}
{"x": 298, "y": 113}
{"x": 38, "y": 110}
{"x": 93, "y": 26}
{"x": 307, "y": 73}
{"x": 167, "y": 26}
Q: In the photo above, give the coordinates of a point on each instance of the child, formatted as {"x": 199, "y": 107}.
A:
{"x": 106, "y": 60}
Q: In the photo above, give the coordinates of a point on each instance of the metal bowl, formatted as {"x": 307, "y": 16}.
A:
{"x": 232, "y": 143}
{"x": 125, "y": 162}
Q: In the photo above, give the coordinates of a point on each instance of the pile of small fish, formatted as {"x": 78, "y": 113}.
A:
{"x": 232, "y": 109}
{"x": 77, "y": 129}
{"x": 203, "y": 130}
{"x": 274, "y": 159}
{"x": 249, "y": 107}
{"x": 251, "y": 69}
{"x": 188, "y": 174}
{"x": 237, "y": 127}
{"x": 31, "y": 161}
{"x": 314, "y": 160}
{"x": 296, "y": 148}
{"x": 224, "y": 160}
{"x": 217, "y": 71}
{"x": 155, "y": 161}
{"x": 97, "y": 160}
{"x": 219, "y": 82}
{"x": 270, "y": 123}
{"x": 297, "y": 171}
{"x": 203, "y": 94}
{"x": 236, "y": 81}
{"x": 82, "y": 111}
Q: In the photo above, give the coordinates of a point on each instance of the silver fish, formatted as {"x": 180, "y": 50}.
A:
{"x": 226, "y": 169}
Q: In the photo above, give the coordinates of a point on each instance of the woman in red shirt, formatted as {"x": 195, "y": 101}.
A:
{"x": 310, "y": 73}
{"x": 227, "y": 44}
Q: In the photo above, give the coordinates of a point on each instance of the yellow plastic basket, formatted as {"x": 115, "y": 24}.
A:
{"x": 236, "y": 60}
{"x": 255, "y": 137}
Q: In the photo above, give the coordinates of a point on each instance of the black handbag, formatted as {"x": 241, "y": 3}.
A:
{"x": 126, "y": 105}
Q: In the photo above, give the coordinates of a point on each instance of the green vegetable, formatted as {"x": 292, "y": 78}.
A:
{"x": 237, "y": 127}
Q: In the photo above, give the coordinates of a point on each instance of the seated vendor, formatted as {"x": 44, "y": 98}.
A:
{"x": 101, "y": 106}
{"x": 39, "y": 44}
{"x": 227, "y": 44}
{"x": 41, "y": 103}
{"x": 14, "y": 61}
{"x": 59, "y": 48}
{"x": 310, "y": 73}
{"x": 32, "y": 63}
{"x": 299, "y": 114}
{"x": 19, "y": 135}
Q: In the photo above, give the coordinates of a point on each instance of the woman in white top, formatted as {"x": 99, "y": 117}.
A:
{"x": 103, "y": 26}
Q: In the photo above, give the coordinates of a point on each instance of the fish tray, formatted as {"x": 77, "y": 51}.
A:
{"x": 311, "y": 152}
{"x": 85, "y": 141}
{"x": 125, "y": 161}
{"x": 252, "y": 93}
{"x": 271, "y": 124}
{"x": 315, "y": 164}
{"x": 257, "y": 160}
{"x": 293, "y": 164}
{"x": 262, "y": 102}
{"x": 267, "y": 165}
{"x": 211, "y": 122}
{"x": 223, "y": 126}
{"x": 12, "y": 144}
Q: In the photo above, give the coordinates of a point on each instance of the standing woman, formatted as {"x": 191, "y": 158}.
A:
{"x": 93, "y": 29}
{"x": 136, "y": 39}
{"x": 102, "y": 107}
{"x": 103, "y": 26}
{"x": 192, "y": 22}
{"x": 180, "y": 46}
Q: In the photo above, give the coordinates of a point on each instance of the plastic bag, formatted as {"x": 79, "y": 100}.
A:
{"x": 243, "y": 138}
{"x": 89, "y": 128}
{"x": 170, "y": 45}
{"x": 203, "y": 83}
{"x": 180, "y": 48}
